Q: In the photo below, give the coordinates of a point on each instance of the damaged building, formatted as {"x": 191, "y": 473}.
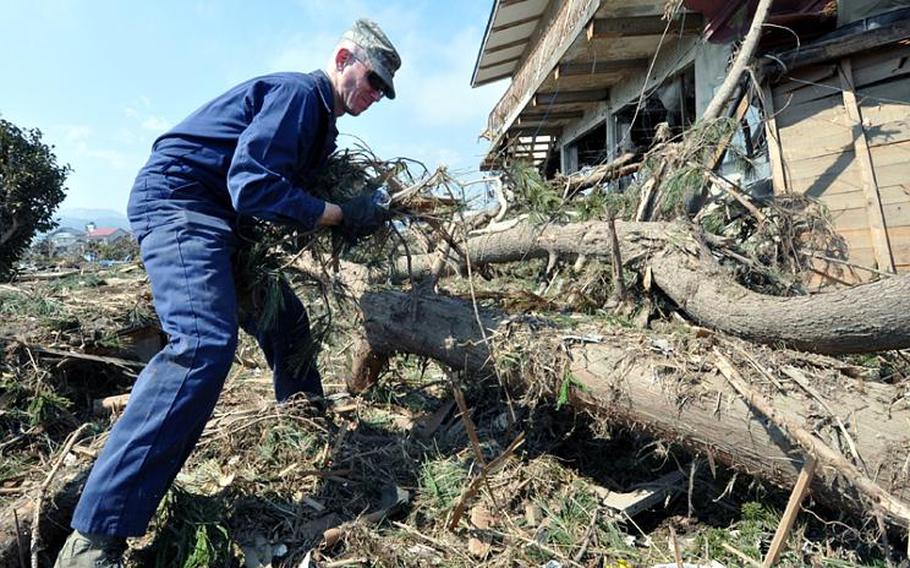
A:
{"x": 823, "y": 113}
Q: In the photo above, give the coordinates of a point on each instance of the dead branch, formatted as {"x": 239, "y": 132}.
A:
{"x": 36, "y": 519}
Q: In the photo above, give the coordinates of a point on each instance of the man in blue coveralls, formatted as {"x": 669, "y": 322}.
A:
{"x": 249, "y": 152}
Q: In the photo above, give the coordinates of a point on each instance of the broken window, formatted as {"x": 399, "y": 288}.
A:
{"x": 666, "y": 112}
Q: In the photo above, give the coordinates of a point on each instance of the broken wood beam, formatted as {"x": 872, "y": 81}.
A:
{"x": 642, "y": 26}
{"x": 645, "y": 495}
{"x": 577, "y": 182}
{"x": 806, "y": 474}
{"x": 881, "y": 244}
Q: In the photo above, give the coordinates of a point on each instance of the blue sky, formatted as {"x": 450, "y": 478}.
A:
{"x": 102, "y": 78}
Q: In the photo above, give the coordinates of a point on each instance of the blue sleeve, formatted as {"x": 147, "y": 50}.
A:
{"x": 267, "y": 154}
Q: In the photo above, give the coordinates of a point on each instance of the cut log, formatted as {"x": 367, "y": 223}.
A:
{"x": 862, "y": 319}
{"x": 627, "y": 381}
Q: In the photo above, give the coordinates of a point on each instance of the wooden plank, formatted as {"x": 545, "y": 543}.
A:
{"x": 568, "y": 97}
{"x": 554, "y": 115}
{"x": 807, "y": 92}
{"x": 793, "y": 505}
{"x": 893, "y": 132}
{"x": 641, "y": 26}
{"x": 500, "y": 62}
{"x": 819, "y": 175}
{"x": 856, "y": 218}
{"x": 800, "y": 77}
{"x": 825, "y": 113}
{"x": 516, "y": 23}
{"x": 880, "y": 65}
{"x": 598, "y": 67}
{"x": 877, "y": 113}
{"x": 892, "y": 164}
{"x": 536, "y": 131}
{"x": 877, "y": 224}
{"x": 646, "y": 495}
{"x": 772, "y": 135}
{"x": 897, "y": 214}
{"x": 495, "y": 77}
{"x": 514, "y": 43}
{"x": 891, "y": 195}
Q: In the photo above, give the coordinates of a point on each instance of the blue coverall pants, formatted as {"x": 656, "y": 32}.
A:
{"x": 187, "y": 249}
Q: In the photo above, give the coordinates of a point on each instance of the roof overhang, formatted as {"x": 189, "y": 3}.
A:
{"x": 509, "y": 30}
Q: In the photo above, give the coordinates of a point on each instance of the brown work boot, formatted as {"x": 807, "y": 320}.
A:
{"x": 91, "y": 551}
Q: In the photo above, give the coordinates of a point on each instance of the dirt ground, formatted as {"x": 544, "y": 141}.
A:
{"x": 395, "y": 477}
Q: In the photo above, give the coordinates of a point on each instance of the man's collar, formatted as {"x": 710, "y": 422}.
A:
{"x": 326, "y": 91}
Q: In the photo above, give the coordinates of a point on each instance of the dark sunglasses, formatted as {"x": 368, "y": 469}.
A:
{"x": 373, "y": 78}
{"x": 376, "y": 82}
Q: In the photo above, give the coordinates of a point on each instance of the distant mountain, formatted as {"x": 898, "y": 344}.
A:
{"x": 78, "y": 218}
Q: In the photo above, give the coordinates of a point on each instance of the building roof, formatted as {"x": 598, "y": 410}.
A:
{"x": 66, "y": 231}
{"x": 509, "y": 30}
{"x": 102, "y": 232}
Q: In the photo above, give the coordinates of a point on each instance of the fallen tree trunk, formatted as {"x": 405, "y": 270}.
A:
{"x": 635, "y": 379}
{"x": 862, "y": 319}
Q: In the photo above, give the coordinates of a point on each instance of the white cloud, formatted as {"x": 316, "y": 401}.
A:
{"x": 79, "y": 142}
{"x": 156, "y": 124}
{"x": 77, "y": 134}
{"x": 438, "y": 87}
{"x": 303, "y": 52}
{"x": 114, "y": 159}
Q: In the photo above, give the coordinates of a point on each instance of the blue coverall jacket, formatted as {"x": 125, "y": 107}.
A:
{"x": 249, "y": 152}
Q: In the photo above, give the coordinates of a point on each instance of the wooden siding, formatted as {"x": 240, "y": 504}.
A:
{"x": 844, "y": 133}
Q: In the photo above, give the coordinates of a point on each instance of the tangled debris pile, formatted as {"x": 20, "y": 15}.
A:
{"x": 465, "y": 453}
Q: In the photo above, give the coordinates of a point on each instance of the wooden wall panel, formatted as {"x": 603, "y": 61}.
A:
{"x": 826, "y": 116}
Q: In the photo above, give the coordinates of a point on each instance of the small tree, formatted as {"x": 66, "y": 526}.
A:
{"x": 31, "y": 188}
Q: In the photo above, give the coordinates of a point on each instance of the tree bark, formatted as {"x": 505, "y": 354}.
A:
{"x": 862, "y": 319}
{"x": 627, "y": 380}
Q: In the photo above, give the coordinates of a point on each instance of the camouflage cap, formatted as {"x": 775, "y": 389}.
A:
{"x": 381, "y": 54}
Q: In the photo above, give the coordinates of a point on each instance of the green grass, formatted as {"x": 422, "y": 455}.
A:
{"x": 441, "y": 482}
{"x": 77, "y": 281}
{"x": 570, "y": 521}
{"x": 192, "y": 531}
{"x": 29, "y": 305}
{"x": 568, "y": 382}
{"x": 285, "y": 442}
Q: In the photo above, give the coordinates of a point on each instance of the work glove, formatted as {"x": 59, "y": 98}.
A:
{"x": 364, "y": 215}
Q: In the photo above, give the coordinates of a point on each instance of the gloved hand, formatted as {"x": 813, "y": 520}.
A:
{"x": 364, "y": 215}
